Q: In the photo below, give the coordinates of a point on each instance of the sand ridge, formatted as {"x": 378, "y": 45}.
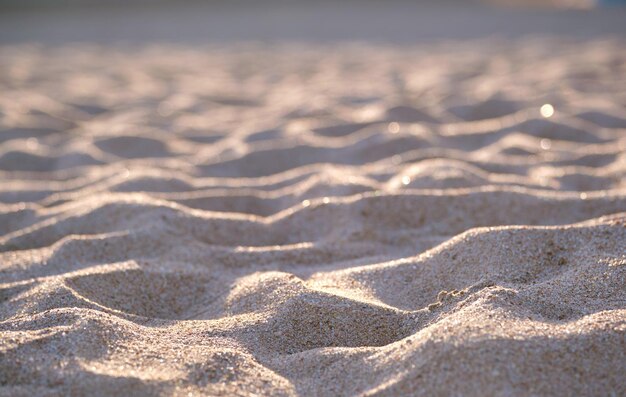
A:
{"x": 352, "y": 219}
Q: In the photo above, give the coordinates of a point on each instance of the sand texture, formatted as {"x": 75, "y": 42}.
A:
{"x": 339, "y": 220}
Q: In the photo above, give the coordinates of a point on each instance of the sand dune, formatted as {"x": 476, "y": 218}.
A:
{"x": 354, "y": 219}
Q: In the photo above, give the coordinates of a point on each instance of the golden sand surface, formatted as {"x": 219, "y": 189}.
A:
{"x": 316, "y": 220}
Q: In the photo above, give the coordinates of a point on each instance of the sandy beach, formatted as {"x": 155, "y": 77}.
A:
{"x": 344, "y": 218}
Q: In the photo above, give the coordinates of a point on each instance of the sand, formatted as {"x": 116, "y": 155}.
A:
{"x": 316, "y": 220}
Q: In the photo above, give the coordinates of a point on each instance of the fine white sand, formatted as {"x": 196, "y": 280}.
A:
{"x": 340, "y": 220}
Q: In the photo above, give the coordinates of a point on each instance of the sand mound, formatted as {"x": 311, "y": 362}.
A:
{"x": 299, "y": 220}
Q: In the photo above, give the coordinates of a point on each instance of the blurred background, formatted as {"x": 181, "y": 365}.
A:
{"x": 60, "y": 21}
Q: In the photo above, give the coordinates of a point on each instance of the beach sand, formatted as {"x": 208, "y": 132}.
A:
{"x": 314, "y": 219}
